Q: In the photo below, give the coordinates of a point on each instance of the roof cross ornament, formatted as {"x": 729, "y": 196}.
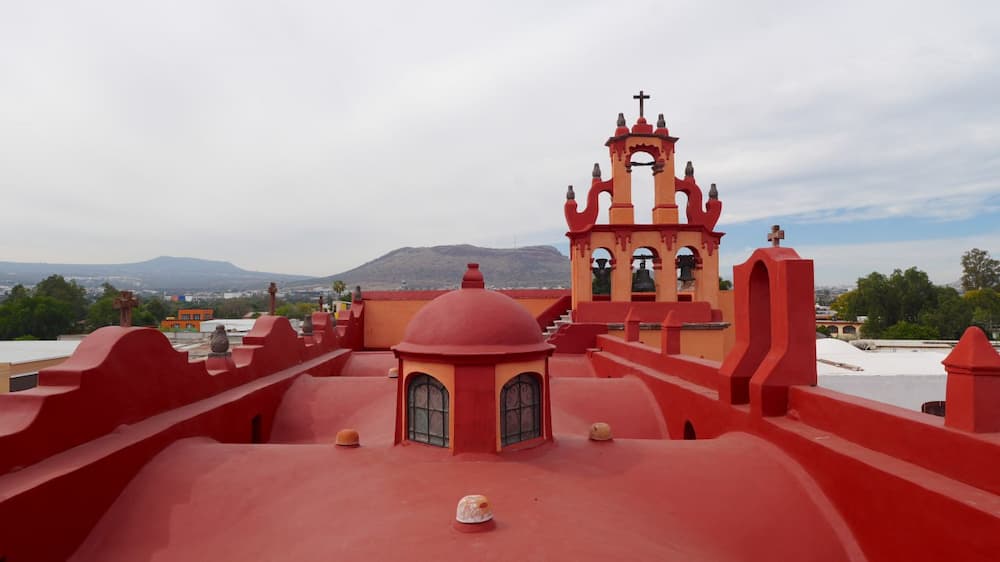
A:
{"x": 641, "y": 97}
{"x": 776, "y": 235}
{"x": 124, "y": 303}
{"x": 272, "y": 290}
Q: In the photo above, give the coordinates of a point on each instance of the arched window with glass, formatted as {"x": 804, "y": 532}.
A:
{"x": 427, "y": 409}
{"x": 521, "y": 409}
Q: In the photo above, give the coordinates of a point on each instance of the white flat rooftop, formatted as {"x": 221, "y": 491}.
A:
{"x": 36, "y": 350}
{"x": 906, "y": 378}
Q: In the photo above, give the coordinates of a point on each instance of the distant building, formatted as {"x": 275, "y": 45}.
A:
{"x": 187, "y": 319}
{"x": 232, "y": 325}
{"x": 20, "y": 361}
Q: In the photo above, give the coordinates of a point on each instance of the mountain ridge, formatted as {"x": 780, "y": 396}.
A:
{"x": 159, "y": 273}
{"x": 441, "y": 267}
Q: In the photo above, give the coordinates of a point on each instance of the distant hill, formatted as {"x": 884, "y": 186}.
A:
{"x": 162, "y": 273}
{"x": 441, "y": 267}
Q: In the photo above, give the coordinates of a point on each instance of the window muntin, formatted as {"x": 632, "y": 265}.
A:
{"x": 520, "y": 409}
{"x": 427, "y": 409}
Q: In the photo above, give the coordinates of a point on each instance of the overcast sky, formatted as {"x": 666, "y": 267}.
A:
{"x": 310, "y": 137}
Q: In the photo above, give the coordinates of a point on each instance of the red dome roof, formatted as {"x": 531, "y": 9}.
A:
{"x": 473, "y": 321}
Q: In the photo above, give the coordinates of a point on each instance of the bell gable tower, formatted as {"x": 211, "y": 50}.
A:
{"x": 610, "y": 276}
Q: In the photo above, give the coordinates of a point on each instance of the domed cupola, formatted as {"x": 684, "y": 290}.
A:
{"x": 473, "y": 373}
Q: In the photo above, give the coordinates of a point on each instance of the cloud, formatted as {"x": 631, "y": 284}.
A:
{"x": 311, "y": 137}
{"x": 843, "y": 264}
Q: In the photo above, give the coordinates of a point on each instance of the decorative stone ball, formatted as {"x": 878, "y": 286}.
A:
{"x": 219, "y": 341}
{"x": 474, "y": 509}
{"x": 394, "y": 372}
{"x": 348, "y": 438}
{"x": 600, "y": 431}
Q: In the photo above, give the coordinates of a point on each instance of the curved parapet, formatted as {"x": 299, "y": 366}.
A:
{"x": 123, "y": 375}
{"x": 706, "y": 216}
{"x": 581, "y": 221}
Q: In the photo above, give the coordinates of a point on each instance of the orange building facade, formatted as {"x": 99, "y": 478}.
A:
{"x": 187, "y": 319}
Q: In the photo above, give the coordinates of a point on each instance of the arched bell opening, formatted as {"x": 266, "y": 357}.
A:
{"x": 643, "y": 187}
{"x": 601, "y": 265}
{"x": 604, "y": 202}
{"x": 646, "y": 267}
{"x": 681, "y": 199}
{"x": 687, "y": 266}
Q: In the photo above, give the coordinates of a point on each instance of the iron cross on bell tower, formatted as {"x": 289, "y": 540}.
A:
{"x": 641, "y": 97}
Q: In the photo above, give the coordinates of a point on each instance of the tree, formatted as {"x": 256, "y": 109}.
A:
{"x": 846, "y": 306}
{"x": 725, "y": 284}
{"x": 42, "y": 317}
{"x": 156, "y": 309}
{"x": 985, "y": 305}
{"x": 979, "y": 271}
{"x": 903, "y": 296}
{"x": 56, "y": 287}
{"x": 16, "y": 292}
{"x": 908, "y": 331}
{"x": 951, "y": 316}
{"x": 297, "y": 310}
{"x": 338, "y": 288}
{"x": 102, "y": 312}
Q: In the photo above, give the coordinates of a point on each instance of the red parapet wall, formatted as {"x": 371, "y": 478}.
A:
{"x": 123, "y": 375}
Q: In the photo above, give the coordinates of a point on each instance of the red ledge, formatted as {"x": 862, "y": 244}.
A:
{"x": 432, "y": 294}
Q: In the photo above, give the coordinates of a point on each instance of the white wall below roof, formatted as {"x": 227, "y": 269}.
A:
{"x": 905, "y": 378}
{"x": 36, "y": 350}
{"x": 240, "y": 325}
{"x": 908, "y": 392}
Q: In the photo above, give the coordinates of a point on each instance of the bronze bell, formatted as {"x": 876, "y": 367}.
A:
{"x": 686, "y": 265}
{"x": 642, "y": 281}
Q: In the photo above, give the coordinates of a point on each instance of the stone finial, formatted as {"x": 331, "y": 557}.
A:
{"x": 569, "y": 193}
{"x": 600, "y": 431}
{"x": 972, "y": 391}
{"x": 621, "y": 120}
{"x": 219, "y": 341}
{"x": 661, "y": 123}
{"x": 356, "y": 295}
{"x": 473, "y": 278}
{"x": 689, "y": 170}
{"x": 713, "y": 192}
{"x": 348, "y": 438}
{"x": 321, "y": 303}
{"x": 307, "y": 325}
{"x": 776, "y": 235}
{"x": 597, "y": 171}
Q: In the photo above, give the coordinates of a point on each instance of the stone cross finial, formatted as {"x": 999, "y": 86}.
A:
{"x": 124, "y": 302}
{"x": 641, "y": 97}
{"x": 272, "y": 290}
{"x": 776, "y": 235}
